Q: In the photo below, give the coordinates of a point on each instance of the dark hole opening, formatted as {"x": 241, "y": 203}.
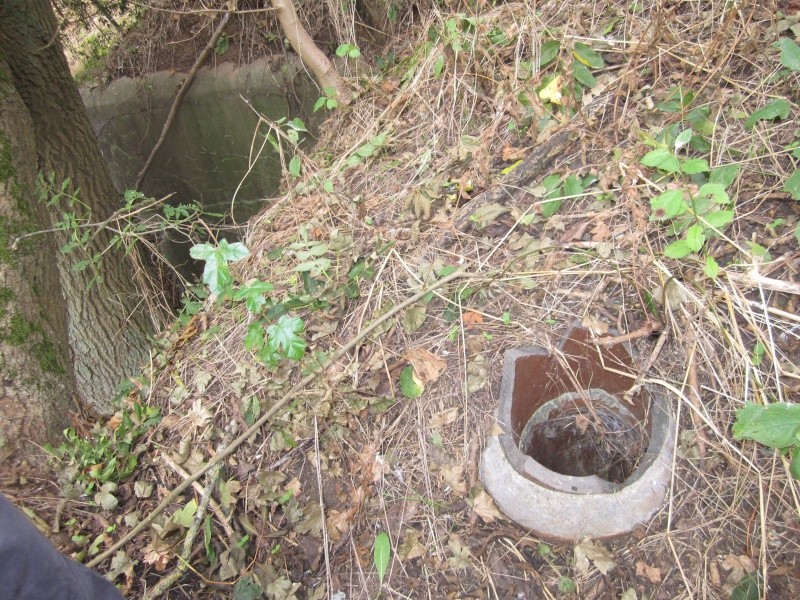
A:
{"x": 578, "y": 442}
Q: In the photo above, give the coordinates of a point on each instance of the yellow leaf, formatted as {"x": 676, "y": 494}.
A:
{"x": 552, "y": 91}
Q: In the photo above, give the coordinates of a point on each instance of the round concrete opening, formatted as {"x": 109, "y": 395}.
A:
{"x": 574, "y": 455}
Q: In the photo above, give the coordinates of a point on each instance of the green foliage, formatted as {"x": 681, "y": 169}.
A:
{"x": 381, "y": 553}
{"x": 410, "y": 385}
{"x": 222, "y": 45}
{"x": 327, "y": 100}
{"x": 107, "y": 455}
{"x": 790, "y": 53}
{"x": 693, "y": 216}
{"x": 348, "y": 50}
{"x": 777, "y": 109}
{"x": 216, "y": 274}
{"x": 775, "y": 425}
{"x": 367, "y": 150}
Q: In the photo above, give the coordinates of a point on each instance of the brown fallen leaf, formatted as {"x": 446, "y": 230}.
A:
{"x": 427, "y": 366}
{"x": 595, "y": 552}
{"x": 485, "y": 508}
{"x": 444, "y": 417}
{"x": 471, "y": 318}
{"x": 653, "y": 574}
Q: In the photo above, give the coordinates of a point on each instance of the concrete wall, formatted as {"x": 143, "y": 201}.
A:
{"x": 206, "y": 154}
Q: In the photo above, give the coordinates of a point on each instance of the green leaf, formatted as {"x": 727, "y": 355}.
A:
{"x": 254, "y": 338}
{"x": 232, "y": 252}
{"x": 712, "y": 267}
{"x": 794, "y": 467}
{"x": 294, "y": 167}
{"x": 777, "y": 109}
{"x": 251, "y": 409}
{"x": 758, "y": 354}
{"x": 775, "y": 425}
{"x": 694, "y": 166}
{"x": 663, "y": 159}
{"x": 549, "y": 52}
{"x": 724, "y": 175}
{"x": 319, "y": 103}
{"x": 247, "y": 589}
{"x": 253, "y": 295}
{"x": 582, "y": 74}
{"x": 747, "y": 588}
{"x": 790, "y": 53}
{"x": 695, "y": 238}
{"x": 410, "y": 386}
{"x": 718, "y": 219}
{"x": 184, "y": 516}
{"x": 678, "y": 249}
{"x": 792, "y": 185}
{"x": 283, "y": 334}
{"x": 668, "y": 205}
{"x": 587, "y": 56}
{"x": 381, "y": 552}
{"x": 222, "y": 45}
{"x": 566, "y": 585}
{"x": 716, "y": 191}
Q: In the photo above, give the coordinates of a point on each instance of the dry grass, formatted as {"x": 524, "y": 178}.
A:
{"x": 411, "y": 468}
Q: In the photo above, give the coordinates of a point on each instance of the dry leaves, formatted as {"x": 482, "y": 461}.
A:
{"x": 589, "y": 552}
{"x": 427, "y": 366}
{"x": 471, "y": 318}
{"x": 485, "y": 508}
{"x": 653, "y": 574}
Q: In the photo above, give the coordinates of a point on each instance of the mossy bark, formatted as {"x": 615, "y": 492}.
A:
{"x": 36, "y": 391}
{"x": 107, "y": 334}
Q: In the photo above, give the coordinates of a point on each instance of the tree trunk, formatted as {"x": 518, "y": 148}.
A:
{"x": 105, "y": 324}
{"x": 36, "y": 392}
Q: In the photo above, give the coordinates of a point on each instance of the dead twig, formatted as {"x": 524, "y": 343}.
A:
{"x": 184, "y": 87}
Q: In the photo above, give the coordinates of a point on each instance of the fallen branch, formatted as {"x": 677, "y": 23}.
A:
{"x": 183, "y": 559}
{"x": 184, "y": 87}
{"x": 280, "y": 404}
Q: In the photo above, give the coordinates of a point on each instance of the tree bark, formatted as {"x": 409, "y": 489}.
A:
{"x": 106, "y": 327}
{"x": 309, "y": 52}
{"x": 36, "y": 391}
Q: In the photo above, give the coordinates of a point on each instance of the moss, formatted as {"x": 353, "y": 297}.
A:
{"x": 48, "y": 357}
{"x": 7, "y": 170}
{"x": 6, "y": 296}
{"x": 19, "y": 330}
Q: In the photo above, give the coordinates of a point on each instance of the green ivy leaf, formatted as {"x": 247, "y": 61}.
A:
{"x": 253, "y": 295}
{"x": 254, "y": 338}
{"x": 775, "y": 425}
{"x": 790, "y": 53}
{"x": 679, "y": 249}
{"x": 792, "y": 185}
{"x": 283, "y": 334}
{"x": 381, "y": 552}
{"x": 184, "y": 516}
{"x": 777, "y": 109}
{"x": 410, "y": 386}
